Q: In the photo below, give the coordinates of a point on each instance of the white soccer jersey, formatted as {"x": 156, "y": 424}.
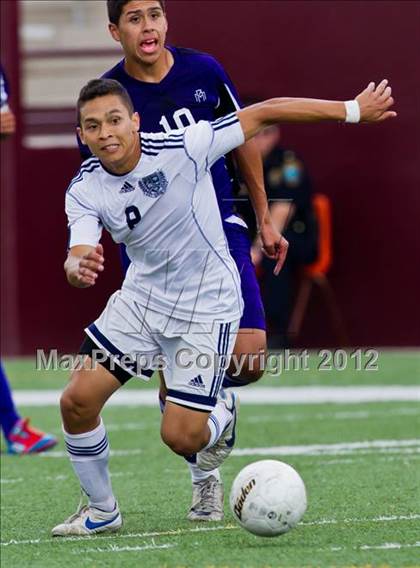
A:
{"x": 165, "y": 211}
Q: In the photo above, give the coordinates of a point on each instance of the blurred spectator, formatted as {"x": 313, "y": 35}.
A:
{"x": 7, "y": 118}
{"x": 289, "y": 194}
{"x": 20, "y": 437}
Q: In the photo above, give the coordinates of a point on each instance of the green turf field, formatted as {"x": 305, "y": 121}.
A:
{"x": 364, "y": 499}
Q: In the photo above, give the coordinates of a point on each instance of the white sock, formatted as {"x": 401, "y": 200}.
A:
{"x": 217, "y": 422}
{"x": 89, "y": 454}
{"x": 198, "y": 474}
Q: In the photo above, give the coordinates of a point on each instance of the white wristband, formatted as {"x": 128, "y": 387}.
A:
{"x": 352, "y": 111}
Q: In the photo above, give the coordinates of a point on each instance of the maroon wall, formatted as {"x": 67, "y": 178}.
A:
{"x": 53, "y": 313}
{"x": 333, "y": 49}
{"x": 273, "y": 48}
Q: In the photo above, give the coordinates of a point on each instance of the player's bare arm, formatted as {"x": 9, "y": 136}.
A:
{"x": 250, "y": 164}
{"x": 83, "y": 265}
{"x": 374, "y": 106}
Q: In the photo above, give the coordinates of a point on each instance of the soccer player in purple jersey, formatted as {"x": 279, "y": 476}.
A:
{"x": 171, "y": 88}
{"x": 174, "y": 87}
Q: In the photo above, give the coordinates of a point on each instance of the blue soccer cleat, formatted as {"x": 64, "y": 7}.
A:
{"x": 87, "y": 521}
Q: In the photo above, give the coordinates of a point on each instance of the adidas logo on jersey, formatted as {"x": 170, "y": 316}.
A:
{"x": 197, "y": 382}
{"x": 127, "y": 187}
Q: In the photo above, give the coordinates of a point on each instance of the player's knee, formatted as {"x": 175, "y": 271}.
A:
{"x": 74, "y": 409}
{"x": 182, "y": 443}
{"x": 173, "y": 441}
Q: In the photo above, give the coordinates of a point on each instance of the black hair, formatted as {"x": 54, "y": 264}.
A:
{"x": 100, "y": 88}
{"x": 115, "y": 8}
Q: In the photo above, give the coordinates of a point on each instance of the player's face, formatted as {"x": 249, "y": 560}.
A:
{"x": 110, "y": 132}
{"x": 141, "y": 31}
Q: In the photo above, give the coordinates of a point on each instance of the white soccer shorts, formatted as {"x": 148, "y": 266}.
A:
{"x": 138, "y": 340}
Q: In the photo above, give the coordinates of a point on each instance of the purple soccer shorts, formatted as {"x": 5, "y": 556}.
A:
{"x": 240, "y": 245}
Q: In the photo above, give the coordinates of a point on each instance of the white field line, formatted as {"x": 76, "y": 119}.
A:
{"x": 179, "y": 532}
{"x": 384, "y": 546}
{"x": 175, "y": 471}
{"x": 123, "y": 427}
{"x": 404, "y": 459}
{"x": 343, "y": 448}
{"x": 115, "y": 453}
{"x": 380, "y": 519}
{"x": 59, "y": 478}
{"x": 114, "y": 548}
{"x": 389, "y": 546}
{"x": 273, "y": 419}
{"x": 257, "y": 418}
{"x": 344, "y": 415}
{"x": 251, "y": 395}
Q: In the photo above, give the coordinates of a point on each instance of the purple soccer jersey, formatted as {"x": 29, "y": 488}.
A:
{"x": 197, "y": 88}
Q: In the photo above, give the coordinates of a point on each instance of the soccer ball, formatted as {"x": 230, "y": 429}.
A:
{"x": 268, "y": 498}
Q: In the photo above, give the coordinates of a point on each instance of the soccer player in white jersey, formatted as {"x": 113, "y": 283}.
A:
{"x": 181, "y": 295}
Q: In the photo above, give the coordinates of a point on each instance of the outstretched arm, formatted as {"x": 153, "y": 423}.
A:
{"x": 250, "y": 165}
{"x": 83, "y": 265}
{"x": 373, "y": 104}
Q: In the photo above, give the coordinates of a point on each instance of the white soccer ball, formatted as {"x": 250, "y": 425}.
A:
{"x": 268, "y": 498}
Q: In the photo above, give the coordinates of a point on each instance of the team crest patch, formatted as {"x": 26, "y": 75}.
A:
{"x": 154, "y": 185}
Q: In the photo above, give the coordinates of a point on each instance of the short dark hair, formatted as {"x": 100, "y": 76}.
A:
{"x": 115, "y": 8}
{"x": 100, "y": 88}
